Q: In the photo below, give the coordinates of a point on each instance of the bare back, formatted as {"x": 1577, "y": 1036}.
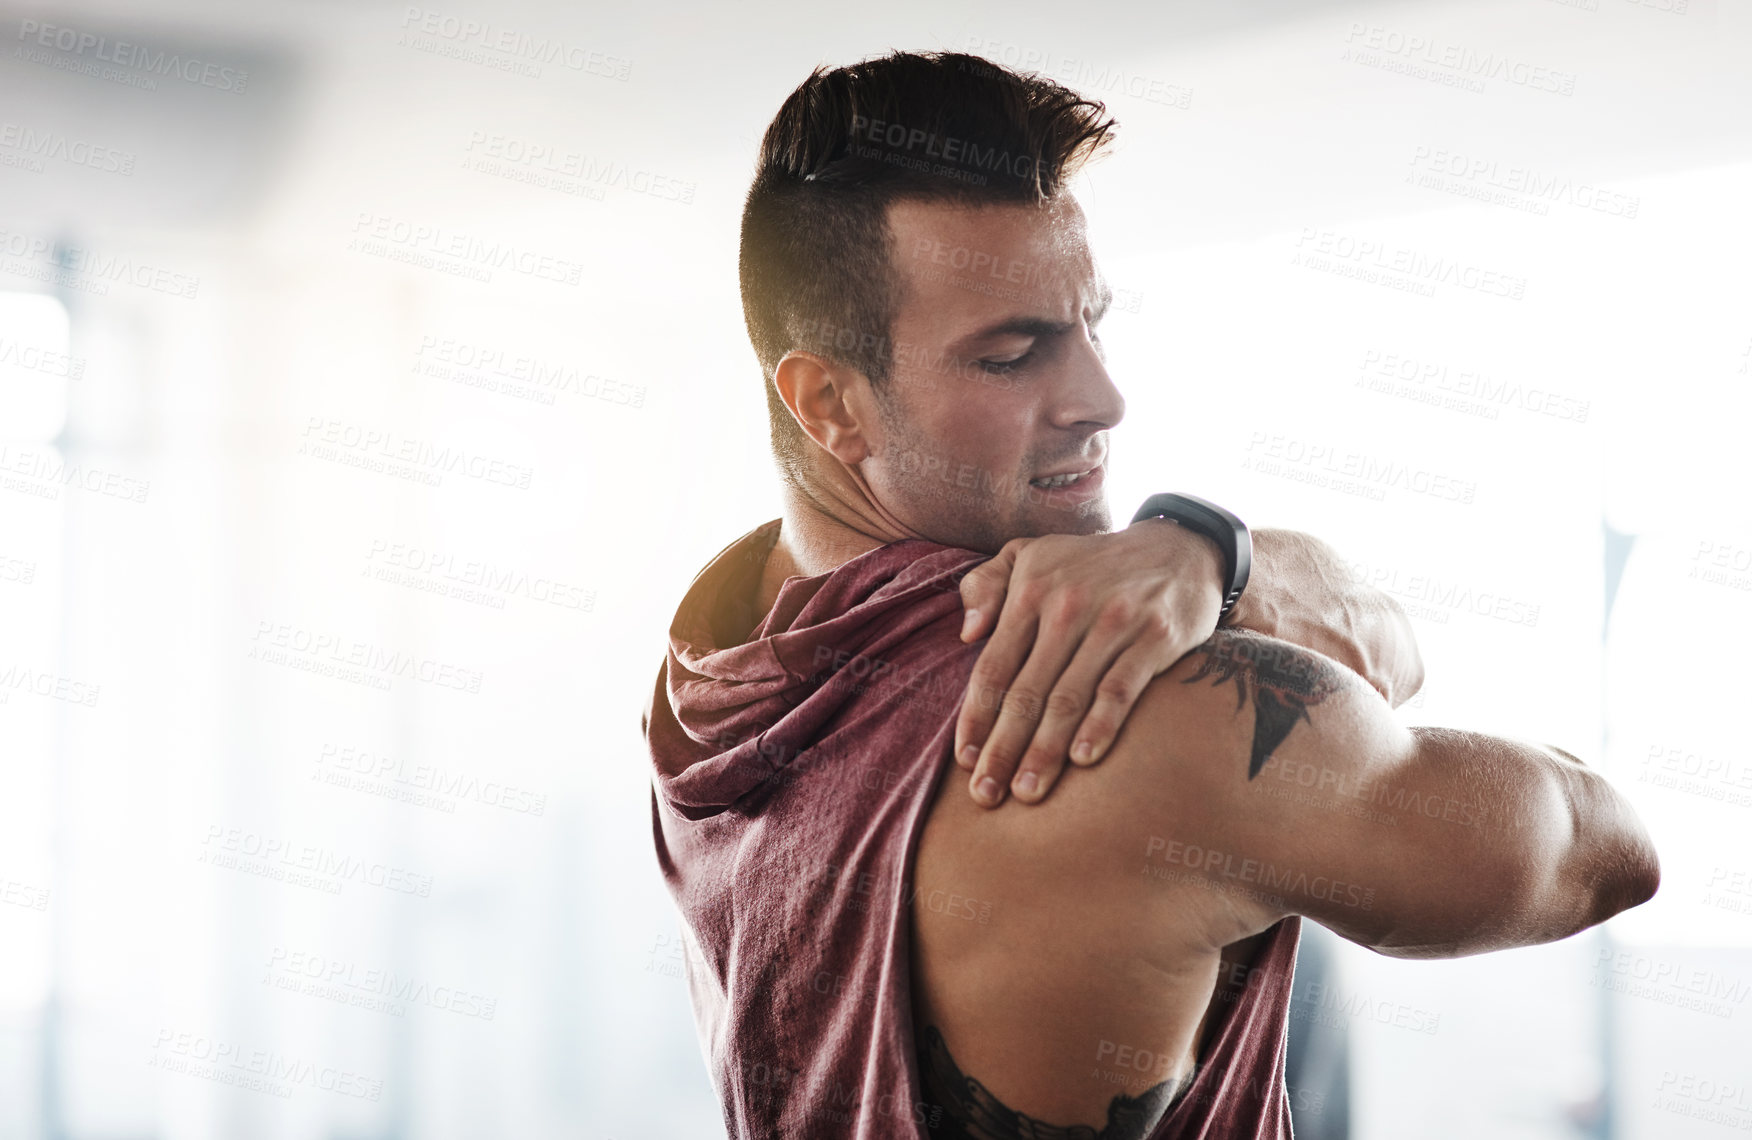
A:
{"x": 1068, "y": 954}
{"x": 1056, "y": 968}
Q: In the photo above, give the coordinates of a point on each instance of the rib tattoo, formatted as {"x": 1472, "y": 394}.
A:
{"x": 1284, "y": 681}
{"x": 971, "y": 1112}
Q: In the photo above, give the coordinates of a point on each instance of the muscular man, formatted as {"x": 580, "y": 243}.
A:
{"x": 873, "y": 950}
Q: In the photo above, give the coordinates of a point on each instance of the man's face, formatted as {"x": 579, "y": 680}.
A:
{"x": 997, "y": 391}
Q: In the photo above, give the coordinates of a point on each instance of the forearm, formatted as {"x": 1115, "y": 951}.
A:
{"x": 1301, "y": 592}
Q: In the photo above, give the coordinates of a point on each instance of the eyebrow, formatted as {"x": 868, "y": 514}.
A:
{"x": 1039, "y": 326}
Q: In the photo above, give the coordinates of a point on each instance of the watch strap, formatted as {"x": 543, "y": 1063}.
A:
{"x": 1220, "y": 526}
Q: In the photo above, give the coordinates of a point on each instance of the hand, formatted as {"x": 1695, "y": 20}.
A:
{"x": 1083, "y": 622}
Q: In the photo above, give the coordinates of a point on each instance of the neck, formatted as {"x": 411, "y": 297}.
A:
{"x": 814, "y": 540}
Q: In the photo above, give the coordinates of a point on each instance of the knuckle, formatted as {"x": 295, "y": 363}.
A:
{"x": 1158, "y": 623}
{"x": 1023, "y": 704}
{"x": 983, "y": 697}
{"x": 1116, "y": 688}
{"x": 1071, "y": 598}
{"x": 1062, "y": 613}
{"x": 1116, "y": 614}
{"x": 1064, "y": 703}
{"x": 998, "y": 761}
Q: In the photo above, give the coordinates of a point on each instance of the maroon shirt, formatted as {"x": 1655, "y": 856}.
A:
{"x": 794, "y": 771}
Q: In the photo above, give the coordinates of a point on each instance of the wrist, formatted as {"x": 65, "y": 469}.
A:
{"x": 1228, "y": 533}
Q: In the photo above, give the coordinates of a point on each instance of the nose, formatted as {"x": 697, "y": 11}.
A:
{"x": 1087, "y": 396}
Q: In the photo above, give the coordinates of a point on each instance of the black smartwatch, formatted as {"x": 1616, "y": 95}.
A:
{"x": 1206, "y": 518}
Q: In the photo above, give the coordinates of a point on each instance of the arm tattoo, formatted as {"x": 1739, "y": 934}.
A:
{"x": 1284, "y": 680}
{"x": 973, "y": 1113}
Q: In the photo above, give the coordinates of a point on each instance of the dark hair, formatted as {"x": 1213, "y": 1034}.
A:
{"x": 815, "y": 266}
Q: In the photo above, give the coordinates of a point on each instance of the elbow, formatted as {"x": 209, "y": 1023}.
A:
{"x": 1599, "y": 862}
{"x": 1616, "y": 872}
{"x": 1635, "y": 879}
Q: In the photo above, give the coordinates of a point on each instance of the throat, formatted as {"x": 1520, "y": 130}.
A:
{"x": 779, "y": 567}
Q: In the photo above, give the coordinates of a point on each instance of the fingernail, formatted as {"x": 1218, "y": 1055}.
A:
{"x": 1082, "y": 751}
{"x": 969, "y": 756}
{"x": 968, "y": 622}
{"x": 1026, "y": 783}
{"x": 988, "y": 790}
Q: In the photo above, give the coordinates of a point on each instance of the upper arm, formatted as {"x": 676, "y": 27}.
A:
{"x": 1278, "y": 782}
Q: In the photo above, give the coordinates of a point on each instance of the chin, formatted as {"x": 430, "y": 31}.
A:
{"x": 1090, "y": 517}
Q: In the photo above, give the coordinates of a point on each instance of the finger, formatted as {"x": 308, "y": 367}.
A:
{"x": 998, "y": 664}
{"x": 983, "y": 589}
{"x": 1022, "y": 707}
{"x": 1115, "y": 697}
{"x": 1044, "y": 759}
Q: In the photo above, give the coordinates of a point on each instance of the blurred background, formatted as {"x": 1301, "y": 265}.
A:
{"x": 373, "y": 382}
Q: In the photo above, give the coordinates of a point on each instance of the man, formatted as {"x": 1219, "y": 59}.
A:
{"x": 875, "y": 950}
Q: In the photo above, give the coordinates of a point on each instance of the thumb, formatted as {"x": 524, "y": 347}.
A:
{"x": 982, "y": 592}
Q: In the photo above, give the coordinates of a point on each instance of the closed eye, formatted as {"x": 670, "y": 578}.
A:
{"x": 1004, "y": 367}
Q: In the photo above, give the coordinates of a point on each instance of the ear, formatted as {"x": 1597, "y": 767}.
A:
{"x": 825, "y": 399}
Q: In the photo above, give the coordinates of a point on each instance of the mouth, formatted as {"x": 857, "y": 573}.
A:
{"x": 1070, "y": 487}
{"x": 1067, "y": 479}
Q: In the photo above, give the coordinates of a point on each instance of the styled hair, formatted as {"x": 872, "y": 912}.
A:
{"x": 816, "y": 262}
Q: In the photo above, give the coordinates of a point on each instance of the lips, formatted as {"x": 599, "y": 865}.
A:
{"x": 1068, "y": 477}
{"x": 1069, "y": 489}
{"x": 1053, "y": 482}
